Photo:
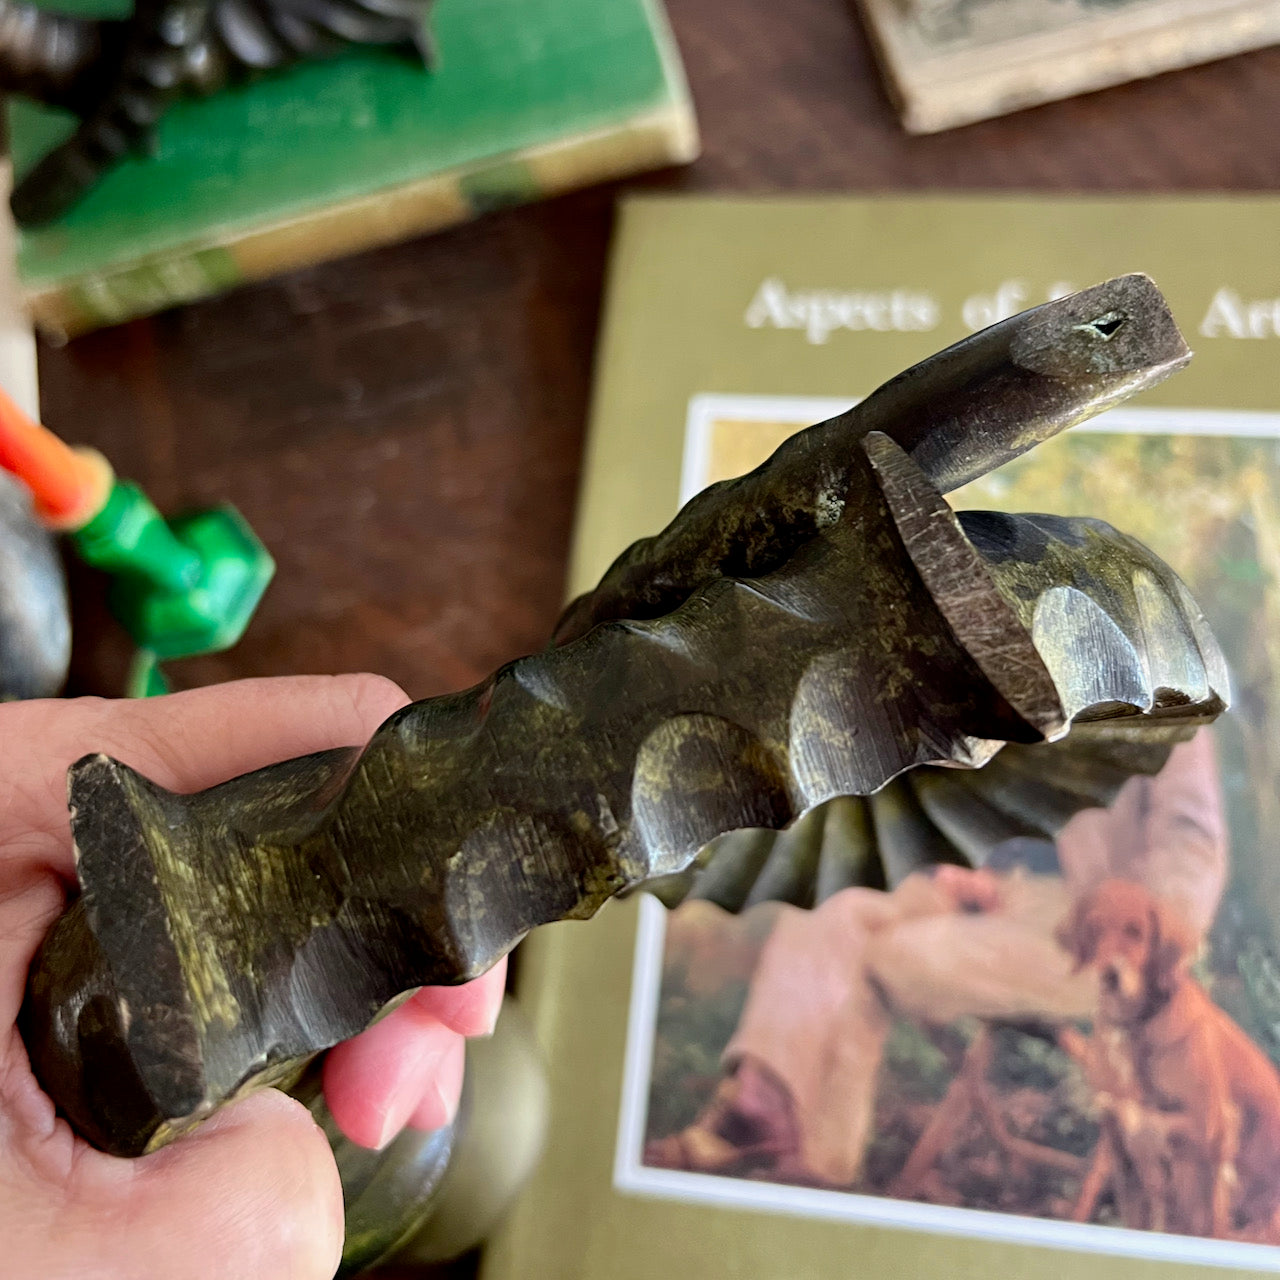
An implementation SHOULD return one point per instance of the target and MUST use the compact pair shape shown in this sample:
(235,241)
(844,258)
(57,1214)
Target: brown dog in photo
(1191,1106)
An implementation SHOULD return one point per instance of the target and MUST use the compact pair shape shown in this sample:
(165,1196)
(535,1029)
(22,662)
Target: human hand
(254,1192)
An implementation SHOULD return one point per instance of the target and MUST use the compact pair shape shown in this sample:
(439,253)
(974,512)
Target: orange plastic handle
(68,486)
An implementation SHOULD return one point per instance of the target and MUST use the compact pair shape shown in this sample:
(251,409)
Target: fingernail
(402,1107)
(437,1111)
(494,1014)
(440,1099)
(449,1104)
(391,1125)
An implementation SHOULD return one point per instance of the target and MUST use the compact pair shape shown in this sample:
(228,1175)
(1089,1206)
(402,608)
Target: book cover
(919,1082)
(951,62)
(530,98)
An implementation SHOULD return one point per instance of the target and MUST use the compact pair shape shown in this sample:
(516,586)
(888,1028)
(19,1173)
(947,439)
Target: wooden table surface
(404,428)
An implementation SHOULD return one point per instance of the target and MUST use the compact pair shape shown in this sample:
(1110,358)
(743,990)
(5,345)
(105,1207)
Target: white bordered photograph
(948,1055)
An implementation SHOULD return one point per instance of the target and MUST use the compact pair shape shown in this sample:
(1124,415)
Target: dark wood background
(404,428)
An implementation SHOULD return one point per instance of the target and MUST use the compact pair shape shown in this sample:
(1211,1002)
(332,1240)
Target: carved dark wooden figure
(120,76)
(824,628)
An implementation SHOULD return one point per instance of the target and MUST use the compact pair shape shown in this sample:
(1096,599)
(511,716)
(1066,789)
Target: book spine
(666,136)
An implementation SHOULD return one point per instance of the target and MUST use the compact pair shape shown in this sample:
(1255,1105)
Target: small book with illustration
(951,62)
(529,98)
(939,1078)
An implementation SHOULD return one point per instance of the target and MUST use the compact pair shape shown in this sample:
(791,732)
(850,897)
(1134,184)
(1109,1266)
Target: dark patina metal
(825,629)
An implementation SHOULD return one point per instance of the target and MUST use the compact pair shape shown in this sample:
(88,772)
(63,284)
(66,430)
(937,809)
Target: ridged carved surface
(959,415)
(867,633)
(1012,807)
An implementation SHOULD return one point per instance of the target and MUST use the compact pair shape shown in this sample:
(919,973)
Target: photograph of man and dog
(1086,1028)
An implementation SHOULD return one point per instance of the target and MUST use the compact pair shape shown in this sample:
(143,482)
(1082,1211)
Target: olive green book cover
(900,1124)
(530,98)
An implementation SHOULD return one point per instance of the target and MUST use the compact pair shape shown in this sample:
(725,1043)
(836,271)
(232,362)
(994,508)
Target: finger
(191,740)
(374,1083)
(439,1102)
(265,1188)
(382,1079)
(253,1194)
(29,904)
(185,741)
(470,1010)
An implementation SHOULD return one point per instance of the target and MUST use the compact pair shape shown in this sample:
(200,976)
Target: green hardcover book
(530,98)
(885,1087)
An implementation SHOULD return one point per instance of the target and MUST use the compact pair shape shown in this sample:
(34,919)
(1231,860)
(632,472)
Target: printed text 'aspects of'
(818,313)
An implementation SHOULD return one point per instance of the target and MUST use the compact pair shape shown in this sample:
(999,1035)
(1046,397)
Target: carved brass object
(811,631)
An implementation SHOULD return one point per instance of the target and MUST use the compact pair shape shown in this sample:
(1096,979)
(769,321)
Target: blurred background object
(119,73)
(430,1198)
(951,62)
(309,161)
(35,628)
(180,587)
(503,1133)
(35,619)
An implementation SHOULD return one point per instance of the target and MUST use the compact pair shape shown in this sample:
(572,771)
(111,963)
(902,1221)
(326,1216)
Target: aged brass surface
(808,633)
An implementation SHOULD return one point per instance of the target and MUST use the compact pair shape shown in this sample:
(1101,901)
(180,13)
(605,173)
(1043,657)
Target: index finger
(184,741)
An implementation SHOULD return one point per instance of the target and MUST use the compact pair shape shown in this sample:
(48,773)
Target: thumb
(253,1194)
